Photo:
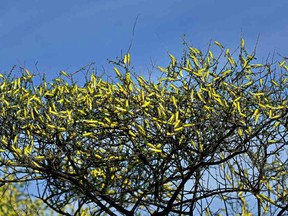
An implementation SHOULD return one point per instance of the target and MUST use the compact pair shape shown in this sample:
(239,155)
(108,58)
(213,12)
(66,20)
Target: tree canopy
(207,137)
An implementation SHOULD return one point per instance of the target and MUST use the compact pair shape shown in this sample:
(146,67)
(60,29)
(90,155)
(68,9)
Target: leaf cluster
(210,130)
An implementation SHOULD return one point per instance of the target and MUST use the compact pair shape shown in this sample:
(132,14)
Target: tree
(14,201)
(208,137)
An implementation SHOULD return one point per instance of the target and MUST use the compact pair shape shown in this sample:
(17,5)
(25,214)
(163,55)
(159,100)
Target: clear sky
(68,34)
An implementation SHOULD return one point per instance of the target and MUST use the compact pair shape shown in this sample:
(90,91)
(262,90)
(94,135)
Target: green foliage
(14,201)
(209,137)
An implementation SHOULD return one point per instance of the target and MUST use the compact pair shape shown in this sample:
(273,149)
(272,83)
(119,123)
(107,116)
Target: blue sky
(68,34)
